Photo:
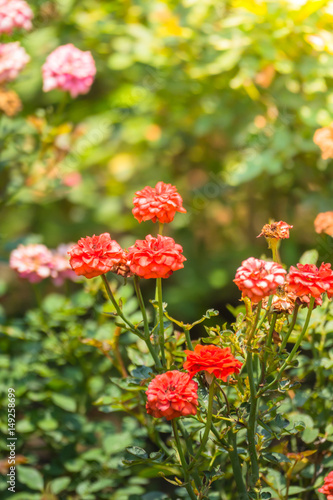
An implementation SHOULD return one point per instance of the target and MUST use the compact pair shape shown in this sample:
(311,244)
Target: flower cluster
(13,59)
(155,257)
(14,14)
(327,489)
(36,262)
(172,394)
(258,279)
(69,69)
(157,204)
(308,280)
(212,359)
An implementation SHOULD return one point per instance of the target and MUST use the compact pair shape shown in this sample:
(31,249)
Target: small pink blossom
(14,14)
(258,279)
(32,262)
(60,267)
(13,59)
(69,69)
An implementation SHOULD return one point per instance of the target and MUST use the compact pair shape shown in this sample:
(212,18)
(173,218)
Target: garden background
(221,99)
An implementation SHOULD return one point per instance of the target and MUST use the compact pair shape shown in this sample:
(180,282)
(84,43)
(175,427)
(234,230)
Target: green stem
(252,424)
(188,339)
(183,461)
(268,345)
(236,467)
(115,304)
(189,445)
(294,350)
(145,322)
(160,228)
(269,303)
(291,327)
(160,315)
(255,322)
(208,421)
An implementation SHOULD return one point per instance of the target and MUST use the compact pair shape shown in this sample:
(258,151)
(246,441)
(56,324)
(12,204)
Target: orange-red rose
(212,359)
(155,257)
(307,279)
(327,489)
(172,394)
(96,255)
(258,279)
(157,204)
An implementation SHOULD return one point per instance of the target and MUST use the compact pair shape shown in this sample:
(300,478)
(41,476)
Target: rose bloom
(157,204)
(278,230)
(172,394)
(155,257)
(307,279)
(212,359)
(69,69)
(32,262)
(327,489)
(13,59)
(324,223)
(96,255)
(323,137)
(258,279)
(14,14)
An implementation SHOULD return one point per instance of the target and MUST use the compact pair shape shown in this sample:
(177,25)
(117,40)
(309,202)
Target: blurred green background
(220,99)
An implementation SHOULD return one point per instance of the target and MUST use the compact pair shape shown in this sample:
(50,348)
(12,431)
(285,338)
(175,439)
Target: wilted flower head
(212,359)
(327,489)
(324,223)
(172,394)
(257,278)
(13,59)
(32,262)
(283,301)
(277,230)
(96,255)
(69,69)
(307,279)
(14,14)
(323,137)
(155,257)
(157,204)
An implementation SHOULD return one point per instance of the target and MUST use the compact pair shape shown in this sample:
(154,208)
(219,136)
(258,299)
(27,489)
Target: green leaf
(30,477)
(309,435)
(137,452)
(309,257)
(65,402)
(60,484)
(276,458)
(142,372)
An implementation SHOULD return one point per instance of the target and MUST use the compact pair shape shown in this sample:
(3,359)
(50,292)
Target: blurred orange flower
(323,137)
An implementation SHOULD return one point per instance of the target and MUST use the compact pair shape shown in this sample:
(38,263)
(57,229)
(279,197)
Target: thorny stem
(254,325)
(188,339)
(236,467)
(269,303)
(268,346)
(251,430)
(208,421)
(145,322)
(160,315)
(187,483)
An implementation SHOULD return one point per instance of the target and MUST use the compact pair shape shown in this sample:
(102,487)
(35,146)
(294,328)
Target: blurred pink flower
(69,69)
(14,14)
(32,262)
(13,58)
(60,267)
(72,179)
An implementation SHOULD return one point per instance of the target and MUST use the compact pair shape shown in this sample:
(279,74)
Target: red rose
(258,278)
(327,489)
(155,257)
(307,279)
(96,255)
(212,359)
(157,204)
(172,394)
